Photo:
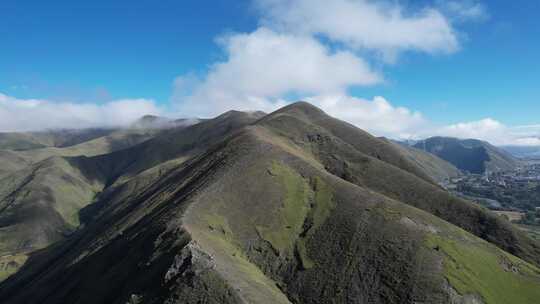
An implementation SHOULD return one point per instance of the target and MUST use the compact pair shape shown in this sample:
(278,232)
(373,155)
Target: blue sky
(73,49)
(95,52)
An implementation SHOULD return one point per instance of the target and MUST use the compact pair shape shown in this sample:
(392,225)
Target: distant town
(512,194)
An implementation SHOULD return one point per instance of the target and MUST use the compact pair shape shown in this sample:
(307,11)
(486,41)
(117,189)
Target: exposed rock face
(456,298)
(292,207)
(192,261)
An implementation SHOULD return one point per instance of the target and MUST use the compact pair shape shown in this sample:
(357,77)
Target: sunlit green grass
(482,269)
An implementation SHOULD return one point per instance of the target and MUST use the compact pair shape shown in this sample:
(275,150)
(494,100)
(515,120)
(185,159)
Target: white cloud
(291,54)
(476,129)
(526,141)
(309,49)
(265,65)
(464,10)
(36,114)
(362,24)
(377,116)
(493,131)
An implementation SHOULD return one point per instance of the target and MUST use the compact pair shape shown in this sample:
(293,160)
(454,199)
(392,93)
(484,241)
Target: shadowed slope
(363,162)
(282,211)
(11,162)
(175,143)
(113,141)
(304,119)
(40,204)
(469,155)
(437,168)
(20,141)
(118,140)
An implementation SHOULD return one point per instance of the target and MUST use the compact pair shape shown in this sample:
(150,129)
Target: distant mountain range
(437,168)
(469,155)
(523,151)
(288,207)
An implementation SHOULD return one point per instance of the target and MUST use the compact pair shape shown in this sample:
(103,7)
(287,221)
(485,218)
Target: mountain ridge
(292,207)
(469,155)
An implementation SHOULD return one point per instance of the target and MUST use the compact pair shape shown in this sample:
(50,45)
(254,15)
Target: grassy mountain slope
(117,140)
(366,168)
(20,141)
(469,155)
(303,121)
(121,139)
(295,208)
(437,168)
(175,143)
(43,190)
(11,162)
(20,149)
(523,151)
(40,203)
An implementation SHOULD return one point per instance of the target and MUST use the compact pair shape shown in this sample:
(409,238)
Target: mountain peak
(471,155)
(149,117)
(237,209)
(299,109)
(303,106)
(235,114)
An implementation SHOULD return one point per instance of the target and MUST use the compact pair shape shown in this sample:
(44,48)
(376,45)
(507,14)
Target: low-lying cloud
(493,131)
(317,50)
(377,116)
(37,114)
(311,50)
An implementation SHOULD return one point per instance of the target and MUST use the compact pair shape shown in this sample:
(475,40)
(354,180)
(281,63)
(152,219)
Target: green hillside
(20,141)
(470,155)
(292,207)
(40,199)
(40,205)
(434,166)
